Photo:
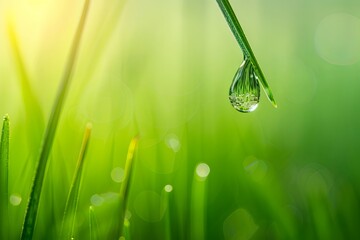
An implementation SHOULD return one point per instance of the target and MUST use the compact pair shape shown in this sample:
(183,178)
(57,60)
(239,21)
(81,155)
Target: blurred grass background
(163,69)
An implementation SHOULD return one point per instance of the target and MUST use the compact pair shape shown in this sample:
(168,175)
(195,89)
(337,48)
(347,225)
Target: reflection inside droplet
(244,92)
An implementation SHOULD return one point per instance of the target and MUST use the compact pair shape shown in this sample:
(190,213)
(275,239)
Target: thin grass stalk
(93,225)
(4,181)
(126,230)
(125,186)
(198,202)
(34,198)
(240,37)
(165,208)
(68,223)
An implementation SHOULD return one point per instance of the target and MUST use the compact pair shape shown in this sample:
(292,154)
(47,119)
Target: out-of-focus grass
(162,69)
(68,223)
(4,179)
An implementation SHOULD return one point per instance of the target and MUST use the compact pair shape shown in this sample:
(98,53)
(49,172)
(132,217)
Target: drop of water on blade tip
(244,92)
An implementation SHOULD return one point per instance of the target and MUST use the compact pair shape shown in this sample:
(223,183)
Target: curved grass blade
(244,44)
(34,198)
(4,187)
(125,186)
(93,226)
(68,223)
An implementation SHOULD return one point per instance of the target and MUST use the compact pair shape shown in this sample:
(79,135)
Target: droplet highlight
(244,92)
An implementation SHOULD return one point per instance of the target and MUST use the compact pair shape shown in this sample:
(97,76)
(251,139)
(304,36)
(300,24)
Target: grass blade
(93,226)
(244,44)
(34,198)
(125,186)
(198,202)
(68,224)
(4,187)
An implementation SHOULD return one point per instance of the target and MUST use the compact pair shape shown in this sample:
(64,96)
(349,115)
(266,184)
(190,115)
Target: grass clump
(34,198)
(68,224)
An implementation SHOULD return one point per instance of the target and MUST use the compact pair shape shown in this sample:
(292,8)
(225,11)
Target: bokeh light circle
(337,39)
(202,170)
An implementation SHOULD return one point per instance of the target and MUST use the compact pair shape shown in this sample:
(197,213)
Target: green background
(162,69)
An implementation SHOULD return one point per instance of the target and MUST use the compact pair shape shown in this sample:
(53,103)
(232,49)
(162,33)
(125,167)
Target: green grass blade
(34,198)
(244,44)
(4,187)
(93,226)
(198,202)
(68,224)
(125,186)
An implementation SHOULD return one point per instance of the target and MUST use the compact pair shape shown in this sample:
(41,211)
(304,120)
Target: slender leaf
(125,186)
(240,37)
(4,187)
(93,226)
(34,198)
(68,224)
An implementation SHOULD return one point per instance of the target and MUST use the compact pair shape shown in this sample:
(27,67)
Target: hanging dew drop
(244,92)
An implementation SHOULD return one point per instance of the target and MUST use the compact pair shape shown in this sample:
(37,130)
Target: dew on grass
(168,188)
(117,174)
(244,92)
(15,200)
(202,170)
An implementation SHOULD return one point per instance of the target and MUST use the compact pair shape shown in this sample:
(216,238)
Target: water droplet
(244,92)
(15,200)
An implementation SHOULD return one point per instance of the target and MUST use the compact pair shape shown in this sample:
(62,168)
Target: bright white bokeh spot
(337,39)
(239,225)
(202,170)
(168,188)
(15,200)
(96,200)
(173,142)
(117,174)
